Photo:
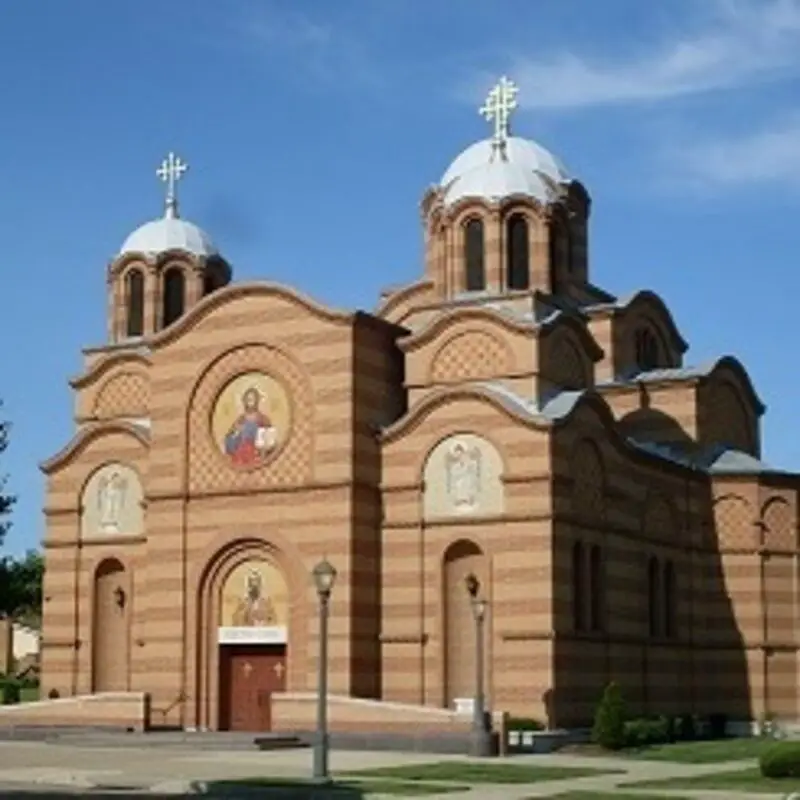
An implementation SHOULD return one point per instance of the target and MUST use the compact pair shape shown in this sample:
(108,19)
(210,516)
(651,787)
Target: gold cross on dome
(500,103)
(171,171)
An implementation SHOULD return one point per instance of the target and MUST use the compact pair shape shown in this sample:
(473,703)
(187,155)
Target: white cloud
(767,156)
(326,52)
(741,42)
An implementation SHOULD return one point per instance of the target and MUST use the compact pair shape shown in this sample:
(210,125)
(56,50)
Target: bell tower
(165,267)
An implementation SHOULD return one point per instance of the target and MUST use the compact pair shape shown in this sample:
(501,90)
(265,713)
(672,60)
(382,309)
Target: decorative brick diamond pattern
(734,520)
(124,395)
(778,521)
(474,355)
(588,480)
(209,469)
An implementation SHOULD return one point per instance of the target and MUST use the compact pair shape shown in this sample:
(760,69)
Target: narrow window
(670,601)
(517,272)
(654,597)
(173,300)
(578,581)
(646,350)
(596,612)
(554,255)
(474,256)
(134,301)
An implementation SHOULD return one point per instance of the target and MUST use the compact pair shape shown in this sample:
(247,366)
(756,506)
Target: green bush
(525,724)
(781,760)
(609,719)
(717,723)
(687,728)
(10,691)
(648,731)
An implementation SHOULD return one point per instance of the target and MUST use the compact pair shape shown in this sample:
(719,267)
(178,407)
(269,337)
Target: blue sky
(312,129)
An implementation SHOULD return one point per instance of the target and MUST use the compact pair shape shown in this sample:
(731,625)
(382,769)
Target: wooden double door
(249,675)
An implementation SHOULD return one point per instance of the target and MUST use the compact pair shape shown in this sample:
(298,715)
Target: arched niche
(110,627)
(463,477)
(112,502)
(461,559)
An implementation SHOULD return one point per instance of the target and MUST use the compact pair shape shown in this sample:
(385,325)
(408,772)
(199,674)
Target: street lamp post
(324,577)
(481,744)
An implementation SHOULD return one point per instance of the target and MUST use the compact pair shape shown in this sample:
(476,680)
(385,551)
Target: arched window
(596,610)
(555,252)
(134,303)
(670,600)
(475,276)
(646,350)
(578,586)
(173,299)
(517,255)
(654,597)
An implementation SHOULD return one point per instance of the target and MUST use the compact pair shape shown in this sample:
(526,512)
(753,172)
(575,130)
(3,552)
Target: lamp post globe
(324,574)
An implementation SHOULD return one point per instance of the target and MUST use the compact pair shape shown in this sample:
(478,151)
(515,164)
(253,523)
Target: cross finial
(500,102)
(171,171)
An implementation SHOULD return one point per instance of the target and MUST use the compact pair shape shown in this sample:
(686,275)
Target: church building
(501,416)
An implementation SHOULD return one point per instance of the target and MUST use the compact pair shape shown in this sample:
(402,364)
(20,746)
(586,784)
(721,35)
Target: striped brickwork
(425,605)
(318,496)
(733,647)
(566,558)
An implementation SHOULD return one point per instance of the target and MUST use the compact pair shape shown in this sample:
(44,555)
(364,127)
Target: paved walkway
(80,769)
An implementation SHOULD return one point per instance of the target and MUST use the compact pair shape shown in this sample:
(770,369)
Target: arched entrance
(252,639)
(110,627)
(461,558)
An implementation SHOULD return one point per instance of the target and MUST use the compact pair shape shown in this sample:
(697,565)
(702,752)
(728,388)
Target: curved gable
(729,408)
(731,369)
(583,338)
(400,303)
(86,436)
(439,397)
(651,306)
(230,294)
(464,314)
(105,365)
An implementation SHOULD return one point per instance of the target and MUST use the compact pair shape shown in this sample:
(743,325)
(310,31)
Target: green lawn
(476,773)
(345,790)
(745,780)
(705,752)
(610,796)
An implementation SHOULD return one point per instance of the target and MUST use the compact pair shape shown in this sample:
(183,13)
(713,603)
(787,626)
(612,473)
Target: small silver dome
(169,233)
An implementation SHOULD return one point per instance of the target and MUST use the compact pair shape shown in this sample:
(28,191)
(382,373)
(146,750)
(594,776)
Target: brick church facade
(502,416)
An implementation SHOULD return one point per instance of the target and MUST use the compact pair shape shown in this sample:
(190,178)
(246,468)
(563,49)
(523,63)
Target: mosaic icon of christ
(252,436)
(254,609)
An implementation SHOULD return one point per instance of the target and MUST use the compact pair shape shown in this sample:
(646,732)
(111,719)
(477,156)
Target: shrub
(10,691)
(687,728)
(781,760)
(647,731)
(53,694)
(717,724)
(525,724)
(609,719)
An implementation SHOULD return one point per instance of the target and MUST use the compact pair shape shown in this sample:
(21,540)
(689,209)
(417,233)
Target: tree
(21,586)
(6,500)
(609,719)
